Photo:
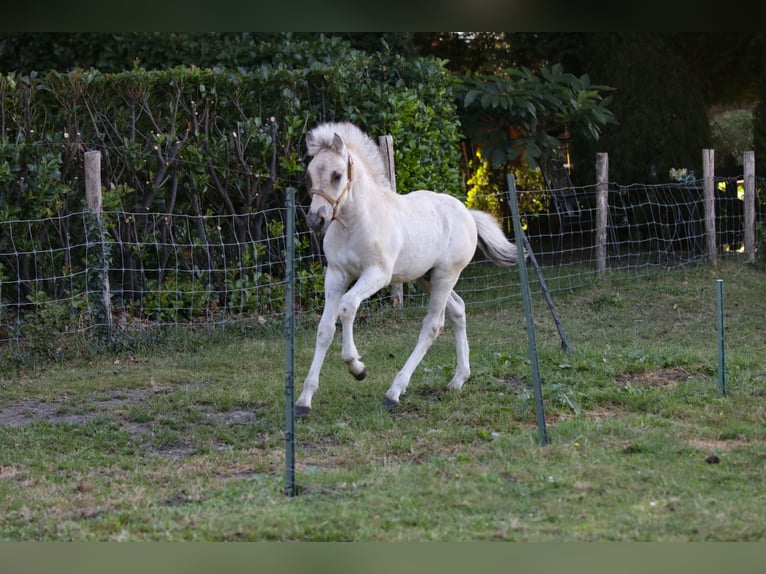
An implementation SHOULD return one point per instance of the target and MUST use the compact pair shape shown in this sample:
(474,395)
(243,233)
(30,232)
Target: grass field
(185,441)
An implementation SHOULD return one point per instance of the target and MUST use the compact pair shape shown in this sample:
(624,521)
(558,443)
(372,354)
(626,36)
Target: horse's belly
(412,264)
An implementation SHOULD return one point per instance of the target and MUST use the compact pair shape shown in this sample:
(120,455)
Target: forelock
(361,145)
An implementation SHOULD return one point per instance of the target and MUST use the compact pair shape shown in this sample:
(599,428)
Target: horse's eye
(335,177)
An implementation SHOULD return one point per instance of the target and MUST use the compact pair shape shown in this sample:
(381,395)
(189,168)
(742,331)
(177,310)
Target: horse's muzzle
(318,220)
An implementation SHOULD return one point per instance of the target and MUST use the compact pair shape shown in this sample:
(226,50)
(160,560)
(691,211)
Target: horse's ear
(310,143)
(337,144)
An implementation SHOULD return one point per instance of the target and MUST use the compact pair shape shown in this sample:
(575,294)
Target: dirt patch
(517,382)
(115,406)
(662,378)
(27,411)
(716,445)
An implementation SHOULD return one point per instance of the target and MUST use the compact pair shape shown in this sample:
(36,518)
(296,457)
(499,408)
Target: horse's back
(436,230)
(437,208)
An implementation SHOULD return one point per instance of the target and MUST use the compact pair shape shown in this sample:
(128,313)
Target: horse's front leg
(335,285)
(370,282)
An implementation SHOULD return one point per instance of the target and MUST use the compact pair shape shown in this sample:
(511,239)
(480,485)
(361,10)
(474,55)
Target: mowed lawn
(185,440)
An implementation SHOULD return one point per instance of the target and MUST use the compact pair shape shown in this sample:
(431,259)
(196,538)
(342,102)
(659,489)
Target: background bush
(201,142)
(659,106)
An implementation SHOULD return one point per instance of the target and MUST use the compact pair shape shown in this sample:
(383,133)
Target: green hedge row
(198,142)
(152,125)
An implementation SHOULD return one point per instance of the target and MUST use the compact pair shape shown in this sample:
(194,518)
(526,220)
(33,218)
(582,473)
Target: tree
(664,85)
(658,103)
(521,111)
(759,120)
(727,65)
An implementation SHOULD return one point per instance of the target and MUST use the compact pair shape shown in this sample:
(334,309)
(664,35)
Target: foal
(373,237)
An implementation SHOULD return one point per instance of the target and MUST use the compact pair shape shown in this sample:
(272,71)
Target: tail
(492,241)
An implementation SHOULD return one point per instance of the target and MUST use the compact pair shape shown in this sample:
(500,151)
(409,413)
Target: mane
(360,144)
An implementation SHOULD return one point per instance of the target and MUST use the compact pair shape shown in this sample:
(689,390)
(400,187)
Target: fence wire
(191,271)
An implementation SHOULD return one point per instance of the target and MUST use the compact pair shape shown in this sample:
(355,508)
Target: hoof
(301,412)
(390,404)
(361,376)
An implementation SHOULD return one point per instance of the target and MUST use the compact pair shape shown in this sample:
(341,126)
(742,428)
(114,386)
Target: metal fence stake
(721,347)
(290,488)
(536,383)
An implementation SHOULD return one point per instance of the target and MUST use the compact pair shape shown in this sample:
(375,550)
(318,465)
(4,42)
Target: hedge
(201,141)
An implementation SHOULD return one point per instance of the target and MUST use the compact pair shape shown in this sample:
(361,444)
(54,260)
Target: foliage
(25,52)
(663,85)
(484,186)
(487,188)
(727,64)
(658,103)
(195,160)
(515,121)
(731,136)
(477,52)
(759,124)
(681,175)
(522,111)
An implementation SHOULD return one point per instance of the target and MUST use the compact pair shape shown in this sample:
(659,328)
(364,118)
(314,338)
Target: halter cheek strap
(336,203)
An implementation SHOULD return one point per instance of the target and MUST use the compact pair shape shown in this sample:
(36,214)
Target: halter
(336,203)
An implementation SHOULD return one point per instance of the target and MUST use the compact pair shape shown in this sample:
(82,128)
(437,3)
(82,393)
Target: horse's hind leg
(456,314)
(433,323)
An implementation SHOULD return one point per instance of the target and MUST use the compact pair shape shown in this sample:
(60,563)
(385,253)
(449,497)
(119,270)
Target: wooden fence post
(602,206)
(386,145)
(98,259)
(708,183)
(749,167)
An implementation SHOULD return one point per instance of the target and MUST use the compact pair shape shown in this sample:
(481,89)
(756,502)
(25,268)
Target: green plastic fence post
(290,488)
(721,346)
(536,383)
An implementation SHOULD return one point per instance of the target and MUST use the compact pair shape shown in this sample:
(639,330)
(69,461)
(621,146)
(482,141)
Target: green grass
(187,442)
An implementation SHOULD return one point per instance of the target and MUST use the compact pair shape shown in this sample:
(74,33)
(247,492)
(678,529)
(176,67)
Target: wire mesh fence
(200,271)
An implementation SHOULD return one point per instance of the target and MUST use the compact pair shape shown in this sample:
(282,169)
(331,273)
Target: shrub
(194,165)
(659,106)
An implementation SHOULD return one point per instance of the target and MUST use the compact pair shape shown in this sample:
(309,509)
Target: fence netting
(162,269)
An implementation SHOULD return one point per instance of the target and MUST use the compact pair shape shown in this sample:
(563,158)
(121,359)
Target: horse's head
(328,178)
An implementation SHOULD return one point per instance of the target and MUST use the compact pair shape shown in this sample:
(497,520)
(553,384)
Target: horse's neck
(367,199)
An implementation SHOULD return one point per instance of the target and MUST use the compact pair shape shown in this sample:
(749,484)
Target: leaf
(470,97)
(513,153)
(499,157)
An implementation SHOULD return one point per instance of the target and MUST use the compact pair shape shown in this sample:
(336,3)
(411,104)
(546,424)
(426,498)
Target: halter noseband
(336,203)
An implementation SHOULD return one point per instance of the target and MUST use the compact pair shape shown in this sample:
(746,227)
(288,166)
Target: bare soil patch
(661,378)
(114,405)
(27,411)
